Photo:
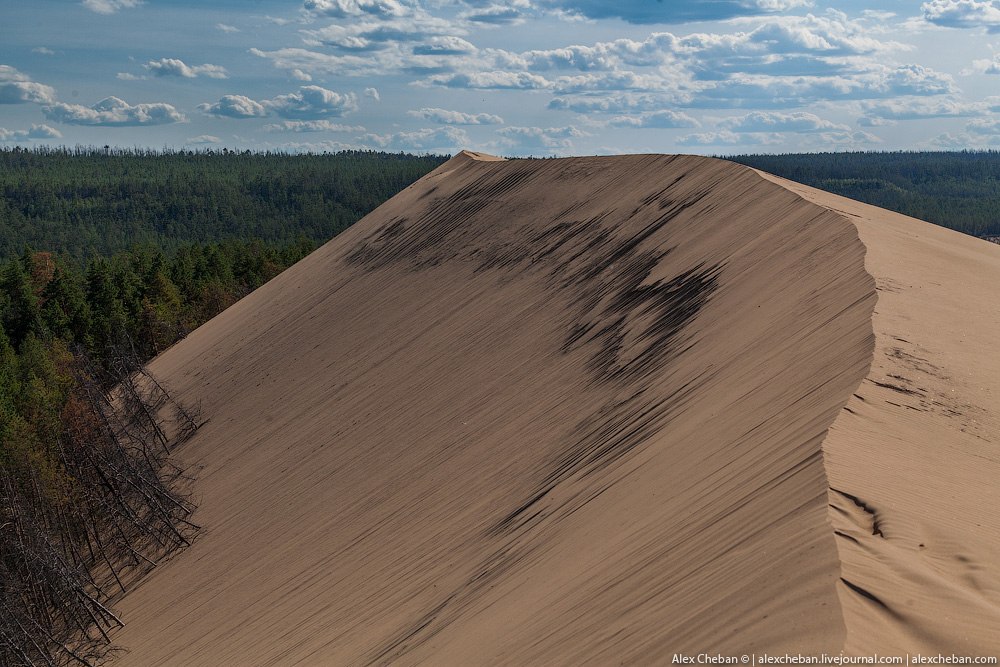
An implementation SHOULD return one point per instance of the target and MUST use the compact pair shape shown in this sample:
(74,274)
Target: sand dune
(593,411)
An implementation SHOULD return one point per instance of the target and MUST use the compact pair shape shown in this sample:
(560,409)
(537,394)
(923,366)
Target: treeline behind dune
(88,200)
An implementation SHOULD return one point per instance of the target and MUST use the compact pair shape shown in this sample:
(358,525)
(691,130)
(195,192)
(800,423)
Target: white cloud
(225,27)
(911,108)
(43,50)
(849,138)
(307,103)
(109,6)
(985,126)
(315,62)
(985,66)
(619,103)
(36,132)
(204,139)
(311,102)
(949,141)
(311,126)
(300,75)
(176,67)
(601,81)
(444,45)
(126,76)
(963,14)
(663,119)
(235,106)
(373,94)
(494,15)
(114,112)
(442,139)
(495,80)
(348,8)
(776,121)
(730,138)
(17,88)
(446,117)
(373,35)
(532,140)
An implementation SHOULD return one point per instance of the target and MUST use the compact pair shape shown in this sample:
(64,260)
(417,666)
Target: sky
(525,77)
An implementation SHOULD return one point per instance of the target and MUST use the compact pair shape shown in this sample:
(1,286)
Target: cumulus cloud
(176,67)
(235,106)
(225,27)
(373,94)
(961,141)
(307,103)
(43,50)
(300,75)
(373,35)
(36,132)
(985,66)
(987,126)
(311,102)
(204,139)
(601,81)
(446,117)
(311,126)
(963,14)
(442,139)
(849,138)
(775,121)
(663,119)
(778,61)
(875,82)
(109,6)
(495,80)
(730,138)
(114,112)
(347,8)
(912,108)
(444,45)
(529,140)
(17,88)
(315,62)
(624,103)
(495,15)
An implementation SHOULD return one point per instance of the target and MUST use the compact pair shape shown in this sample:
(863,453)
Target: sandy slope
(918,445)
(574,412)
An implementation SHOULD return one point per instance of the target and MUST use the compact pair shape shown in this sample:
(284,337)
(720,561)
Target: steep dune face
(526,412)
(914,459)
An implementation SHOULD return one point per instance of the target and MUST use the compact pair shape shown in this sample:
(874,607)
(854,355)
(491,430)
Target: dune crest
(582,411)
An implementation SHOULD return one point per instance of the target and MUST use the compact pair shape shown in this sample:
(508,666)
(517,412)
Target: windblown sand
(593,411)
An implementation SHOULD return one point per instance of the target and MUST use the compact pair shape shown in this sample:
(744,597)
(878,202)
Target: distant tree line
(103,200)
(958,190)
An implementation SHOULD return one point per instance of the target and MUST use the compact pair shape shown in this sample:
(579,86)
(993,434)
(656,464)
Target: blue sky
(527,77)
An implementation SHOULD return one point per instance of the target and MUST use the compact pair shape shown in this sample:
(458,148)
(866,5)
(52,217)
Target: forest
(958,190)
(83,201)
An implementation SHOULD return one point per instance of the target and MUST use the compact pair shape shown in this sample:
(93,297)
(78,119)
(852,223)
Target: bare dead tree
(112,515)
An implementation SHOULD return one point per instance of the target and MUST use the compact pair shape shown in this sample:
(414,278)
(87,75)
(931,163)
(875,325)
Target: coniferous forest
(84,201)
